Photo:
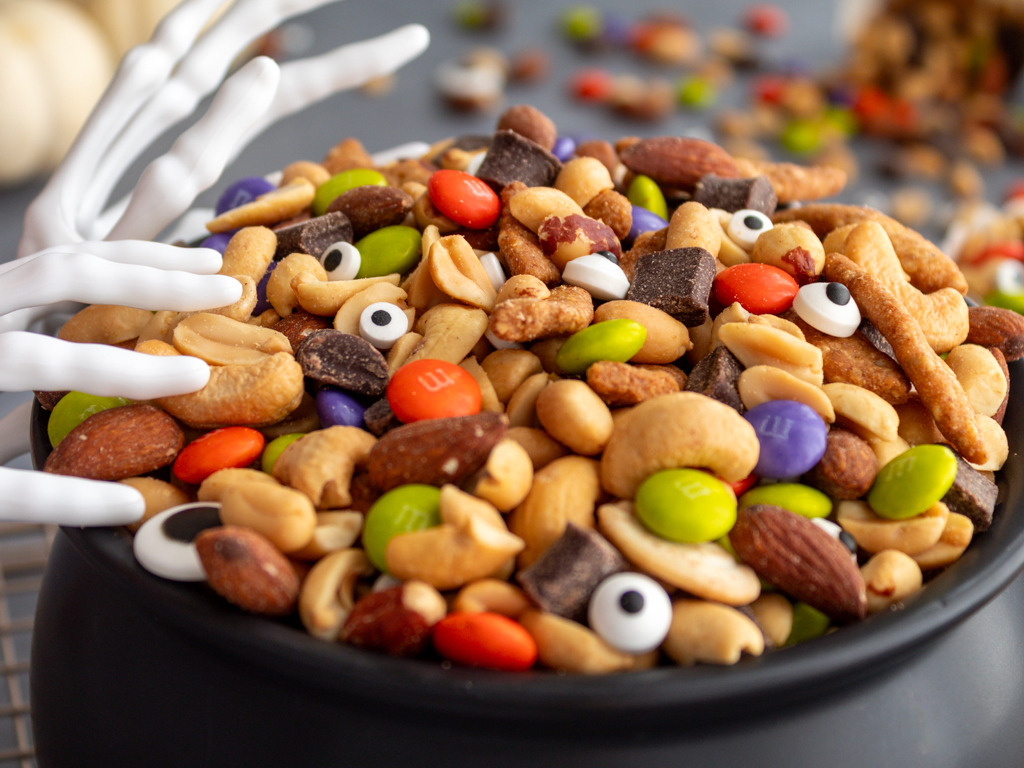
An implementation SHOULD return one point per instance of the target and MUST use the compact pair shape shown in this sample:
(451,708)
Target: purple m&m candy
(262,303)
(792,437)
(564,148)
(218,242)
(645,221)
(243,191)
(338,409)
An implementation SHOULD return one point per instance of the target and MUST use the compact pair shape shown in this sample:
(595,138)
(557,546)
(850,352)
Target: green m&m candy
(802,499)
(617,340)
(73,409)
(275,448)
(808,623)
(646,193)
(912,482)
(404,509)
(685,505)
(388,250)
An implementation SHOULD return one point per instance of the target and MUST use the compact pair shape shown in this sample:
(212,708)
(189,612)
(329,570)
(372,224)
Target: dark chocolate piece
(379,418)
(563,578)
(515,158)
(878,341)
(313,236)
(344,361)
(973,495)
(716,376)
(755,194)
(676,281)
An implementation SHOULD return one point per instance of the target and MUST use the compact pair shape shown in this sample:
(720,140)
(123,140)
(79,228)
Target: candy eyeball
(829,308)
(746,225)
(341,260)
(165,544)
(597,275)
(833,530)
(382,324)
(1010,277)
(630,612)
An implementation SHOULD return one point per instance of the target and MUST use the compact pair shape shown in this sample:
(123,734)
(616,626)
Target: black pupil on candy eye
(332,260)
(189,523)
(838,294)
(632,601)
(608,255)
(381,317)
(752,222)
(848,541)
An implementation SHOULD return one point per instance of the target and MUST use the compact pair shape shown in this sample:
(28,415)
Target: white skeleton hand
(76,247)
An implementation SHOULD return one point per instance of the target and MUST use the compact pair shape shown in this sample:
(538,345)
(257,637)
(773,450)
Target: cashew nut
(568,646)
(325,298)
(706,570)
(283,515)
(471,543)
(672,431)
(506,476)
(774,614)
(890,576)
(214,486)
(334,531)
(874,534)
(321,464)
(327,596)
(491,595)
(710,633)
(254,395)
(980,376)
(566,490)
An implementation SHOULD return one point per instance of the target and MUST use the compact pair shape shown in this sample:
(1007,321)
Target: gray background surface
(960,702)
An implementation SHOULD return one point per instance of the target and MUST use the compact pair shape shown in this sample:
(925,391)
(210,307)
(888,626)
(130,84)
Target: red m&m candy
(463,198)
(432,389)
(759,288)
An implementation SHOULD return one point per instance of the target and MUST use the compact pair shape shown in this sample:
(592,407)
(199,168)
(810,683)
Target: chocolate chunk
(379,418)
(878,341)
(467,143)
(677,281)
(972,495)
(515,158)
(755,194)
(313,236)
(47,400)
(344,361)
(716,376)
(370,208)
(563,578)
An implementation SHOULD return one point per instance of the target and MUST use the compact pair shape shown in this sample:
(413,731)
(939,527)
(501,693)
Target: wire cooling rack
(23,552)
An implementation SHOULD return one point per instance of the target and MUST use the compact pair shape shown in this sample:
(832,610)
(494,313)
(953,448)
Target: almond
(246,569)
(997,327)
(678,162)
(118,443)
(434,451)
(801,559)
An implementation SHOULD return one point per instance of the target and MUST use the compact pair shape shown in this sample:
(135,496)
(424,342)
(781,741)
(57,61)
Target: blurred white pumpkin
(127,22)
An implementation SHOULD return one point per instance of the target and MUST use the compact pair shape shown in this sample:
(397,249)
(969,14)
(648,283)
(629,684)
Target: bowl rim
(754,686)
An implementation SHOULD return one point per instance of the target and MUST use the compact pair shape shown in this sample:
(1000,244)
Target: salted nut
(875,534)
(506,476)
(327,594)
(890,576)
(705,570)
(325,298)
(334,531)
(568,646)
(283,515)
(710,633)
(671,431)
(449,331)
(219,340)
(321,464)
(472,542)
(492,595)
(105,324)
(214,486)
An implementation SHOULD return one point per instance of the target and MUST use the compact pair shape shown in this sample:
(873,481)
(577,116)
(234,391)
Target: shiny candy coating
(792,438)
(685,505)
(73,409)
(631,612)
(262,303)
(275,448)
(389,250)
(242,192)
(464,199)
(616,340)
(218,242)
(228,447)
(912,482)
(485,639)
(564,148)
(644,192)
(603,278)
(798,498)
(759,288)
(829,308)
(343,182)
(644,221)
(808,623)
(337,408)
(403,509)
(432,389)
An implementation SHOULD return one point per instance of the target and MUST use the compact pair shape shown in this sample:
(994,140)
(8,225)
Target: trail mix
(481,405)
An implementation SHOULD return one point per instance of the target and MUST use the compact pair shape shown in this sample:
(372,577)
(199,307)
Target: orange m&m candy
(224,448)
(432,389)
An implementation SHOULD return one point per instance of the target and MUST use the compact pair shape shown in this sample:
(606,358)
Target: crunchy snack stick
(936,383)
(929,268)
